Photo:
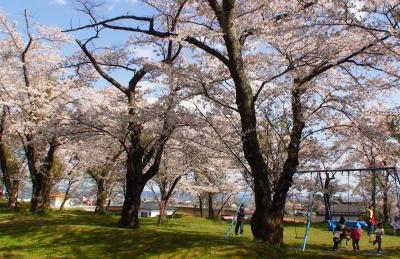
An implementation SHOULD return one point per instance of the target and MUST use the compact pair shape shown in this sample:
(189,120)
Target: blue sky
(64,13)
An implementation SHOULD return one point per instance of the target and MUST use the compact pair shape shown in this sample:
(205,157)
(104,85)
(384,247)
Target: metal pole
(374,189)
(309,216)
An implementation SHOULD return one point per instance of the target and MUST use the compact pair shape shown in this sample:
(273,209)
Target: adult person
(240,220)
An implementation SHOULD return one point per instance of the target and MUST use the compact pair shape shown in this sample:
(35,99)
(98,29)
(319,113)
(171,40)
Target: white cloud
(59,2)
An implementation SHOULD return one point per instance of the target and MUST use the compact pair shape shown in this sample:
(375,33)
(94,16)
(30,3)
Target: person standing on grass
(370,219)
(345,231)
(240,220)
(355,235)
(336,238)
(379,232)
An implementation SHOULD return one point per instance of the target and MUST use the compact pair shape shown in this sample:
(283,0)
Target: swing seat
(332,224)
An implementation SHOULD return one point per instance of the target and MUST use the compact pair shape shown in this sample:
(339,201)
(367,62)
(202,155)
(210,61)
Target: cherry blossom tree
(282,72)
(175,165)
(36,95)
(371,145)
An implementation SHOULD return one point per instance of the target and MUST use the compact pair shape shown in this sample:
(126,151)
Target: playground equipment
(331,223)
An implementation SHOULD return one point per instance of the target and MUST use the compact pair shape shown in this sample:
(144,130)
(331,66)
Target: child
(378,237)
(370,219)
(345,231)
(336,238)
(355,235)
(361,225)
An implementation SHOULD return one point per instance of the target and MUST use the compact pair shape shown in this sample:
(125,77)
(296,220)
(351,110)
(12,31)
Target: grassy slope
(79,234)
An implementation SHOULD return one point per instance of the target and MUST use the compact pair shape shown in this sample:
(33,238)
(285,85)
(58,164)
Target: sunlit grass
(80,234)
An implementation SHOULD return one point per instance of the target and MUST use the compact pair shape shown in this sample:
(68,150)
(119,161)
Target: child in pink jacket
(355,236)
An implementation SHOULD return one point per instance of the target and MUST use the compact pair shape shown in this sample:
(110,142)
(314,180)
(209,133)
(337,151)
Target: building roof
(57,194)
(144,205)
(152,205)
(352,207)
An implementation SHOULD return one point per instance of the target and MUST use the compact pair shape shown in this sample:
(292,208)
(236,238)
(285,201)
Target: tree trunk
(101,196)
(373,195)
(41,179)
(47,195)
(6,177)
(386,216)
(223,205)
(108,204)
(66,196)
(13,195)
(327,201)
(327,197)
(163,207)
(210,206)
(40,190)
(130,209)
(201,206)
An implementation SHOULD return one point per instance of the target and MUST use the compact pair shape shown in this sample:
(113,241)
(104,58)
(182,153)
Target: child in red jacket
(355,236)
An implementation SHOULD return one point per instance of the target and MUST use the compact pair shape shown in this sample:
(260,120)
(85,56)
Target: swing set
(331,223)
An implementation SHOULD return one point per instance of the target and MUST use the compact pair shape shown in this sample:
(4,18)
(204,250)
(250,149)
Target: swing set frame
(373,170)
(318,180)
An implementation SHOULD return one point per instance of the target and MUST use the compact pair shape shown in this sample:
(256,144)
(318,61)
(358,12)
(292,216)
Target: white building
(150,209)
(56,199)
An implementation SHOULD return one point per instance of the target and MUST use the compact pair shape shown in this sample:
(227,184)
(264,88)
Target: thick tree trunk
(40,189)
(101,196)
(130,209)
(47,196)
(201,206)
(271,224)
(210,206)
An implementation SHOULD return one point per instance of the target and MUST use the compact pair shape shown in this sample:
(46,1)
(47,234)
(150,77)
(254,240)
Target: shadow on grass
(83,235)
(88,239)
(89,242)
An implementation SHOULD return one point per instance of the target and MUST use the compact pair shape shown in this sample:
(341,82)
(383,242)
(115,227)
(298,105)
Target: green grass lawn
(80,234)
